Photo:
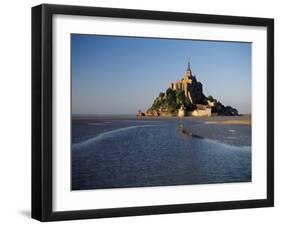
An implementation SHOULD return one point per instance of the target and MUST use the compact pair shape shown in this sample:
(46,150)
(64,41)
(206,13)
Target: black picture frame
(42,111)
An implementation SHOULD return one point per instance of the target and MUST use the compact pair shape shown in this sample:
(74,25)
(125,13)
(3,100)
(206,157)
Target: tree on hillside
(210,98)
(161,95)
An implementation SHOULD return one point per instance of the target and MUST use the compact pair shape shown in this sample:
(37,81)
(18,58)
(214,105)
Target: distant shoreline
(223,120)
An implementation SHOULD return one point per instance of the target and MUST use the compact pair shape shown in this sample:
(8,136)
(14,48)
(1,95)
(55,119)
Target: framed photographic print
(145,112)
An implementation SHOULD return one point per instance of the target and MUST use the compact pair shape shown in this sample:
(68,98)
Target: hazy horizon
(116,75)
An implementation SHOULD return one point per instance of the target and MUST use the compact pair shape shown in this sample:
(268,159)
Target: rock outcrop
(186,97)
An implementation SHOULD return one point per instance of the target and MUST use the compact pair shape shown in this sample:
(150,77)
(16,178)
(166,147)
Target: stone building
(192,88)
(201,110)
(181,111)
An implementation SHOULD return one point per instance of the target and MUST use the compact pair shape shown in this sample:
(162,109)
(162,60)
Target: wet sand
(225,120)
(123,152)
(233,130)
(225,129)
(222,120)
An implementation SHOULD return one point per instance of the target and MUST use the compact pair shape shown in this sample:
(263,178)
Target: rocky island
(186,98)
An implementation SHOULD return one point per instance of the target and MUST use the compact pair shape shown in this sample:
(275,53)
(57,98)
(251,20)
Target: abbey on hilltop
(190,86)
(186,98)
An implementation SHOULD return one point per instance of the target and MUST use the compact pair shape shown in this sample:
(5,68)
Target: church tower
(184,83)
(187,80)
(188,70)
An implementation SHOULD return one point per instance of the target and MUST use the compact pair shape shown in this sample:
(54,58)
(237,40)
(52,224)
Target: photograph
(148,111)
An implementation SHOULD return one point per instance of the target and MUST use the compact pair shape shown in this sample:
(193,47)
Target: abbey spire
(188,66)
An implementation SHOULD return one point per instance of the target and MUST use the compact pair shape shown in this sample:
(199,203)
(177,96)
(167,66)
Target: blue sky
(120,75)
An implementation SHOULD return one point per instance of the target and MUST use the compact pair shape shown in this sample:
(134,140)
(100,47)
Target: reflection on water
(116,153)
